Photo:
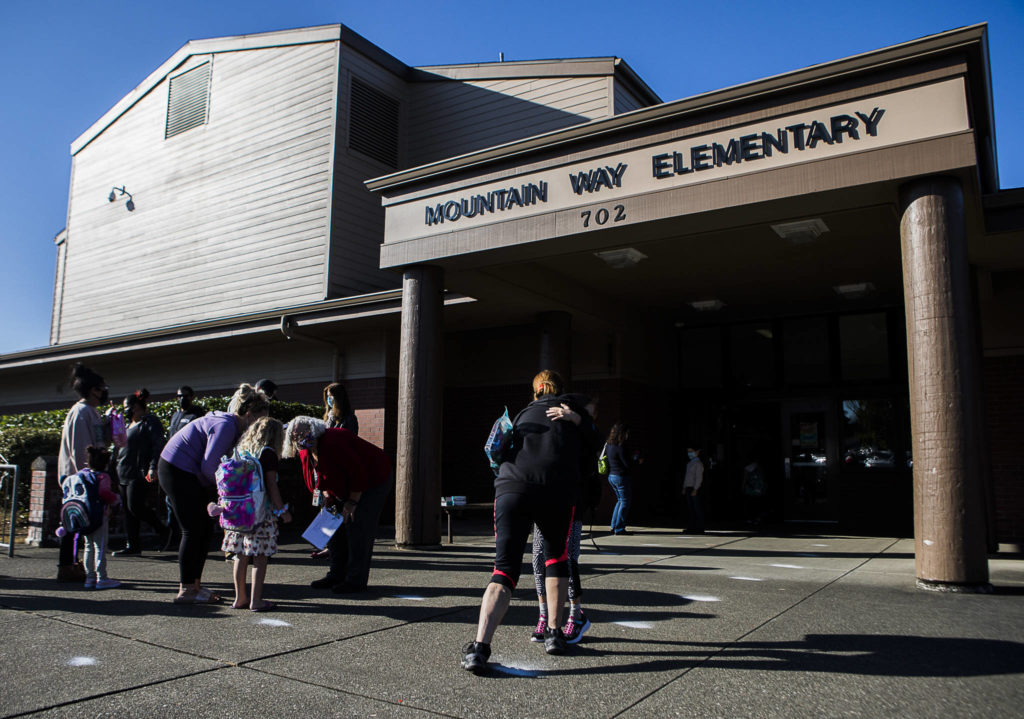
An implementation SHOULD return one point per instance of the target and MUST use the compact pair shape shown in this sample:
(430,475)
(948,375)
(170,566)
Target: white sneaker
(107,583)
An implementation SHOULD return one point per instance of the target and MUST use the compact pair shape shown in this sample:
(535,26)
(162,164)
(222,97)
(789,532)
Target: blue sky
(66,62)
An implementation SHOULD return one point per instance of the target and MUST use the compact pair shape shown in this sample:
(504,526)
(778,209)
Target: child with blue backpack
(86,510)
(249,507)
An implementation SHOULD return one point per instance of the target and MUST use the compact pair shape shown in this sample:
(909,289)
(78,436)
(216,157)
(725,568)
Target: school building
(817,271)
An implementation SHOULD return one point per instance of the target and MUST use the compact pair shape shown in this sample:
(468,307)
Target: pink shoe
(574,628)
(538,632)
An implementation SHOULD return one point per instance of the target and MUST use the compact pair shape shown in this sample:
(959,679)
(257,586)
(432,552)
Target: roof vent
(188,100)
(373,123)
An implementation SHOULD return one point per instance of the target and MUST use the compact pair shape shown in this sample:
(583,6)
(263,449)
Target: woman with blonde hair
(338,410)
(262,440)
(187,473)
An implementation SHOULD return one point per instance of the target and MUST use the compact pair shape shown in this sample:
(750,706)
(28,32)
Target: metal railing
(10,471)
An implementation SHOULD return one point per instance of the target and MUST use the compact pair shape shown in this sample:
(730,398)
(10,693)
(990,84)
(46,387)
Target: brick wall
(374,401)
(1004,399)
(44,503)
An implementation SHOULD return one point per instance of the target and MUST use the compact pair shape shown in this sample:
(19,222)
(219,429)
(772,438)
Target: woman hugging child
(263,439)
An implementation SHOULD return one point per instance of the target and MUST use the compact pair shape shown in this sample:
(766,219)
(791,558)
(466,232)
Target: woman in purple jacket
(187,472)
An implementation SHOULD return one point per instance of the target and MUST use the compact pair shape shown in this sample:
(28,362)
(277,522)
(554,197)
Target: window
(700,357)
(753,355)
(373,123)
(805,351)
(864,346)
(875,436)
(188,100)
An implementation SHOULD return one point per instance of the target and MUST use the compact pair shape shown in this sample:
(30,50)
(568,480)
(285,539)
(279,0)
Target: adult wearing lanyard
(187,472)
(356,477)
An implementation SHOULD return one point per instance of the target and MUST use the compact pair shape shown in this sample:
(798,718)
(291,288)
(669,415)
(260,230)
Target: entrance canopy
(774,194)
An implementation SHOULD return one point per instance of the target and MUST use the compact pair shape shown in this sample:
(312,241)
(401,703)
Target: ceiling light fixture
(802,231)
(621,258)
(707,305)
(130,205)
(855,290)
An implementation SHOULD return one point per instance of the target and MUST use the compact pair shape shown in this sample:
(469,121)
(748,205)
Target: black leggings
(135,495)
(188,500)
(514,517)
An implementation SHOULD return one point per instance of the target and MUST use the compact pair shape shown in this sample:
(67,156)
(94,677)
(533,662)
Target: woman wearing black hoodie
(537,483)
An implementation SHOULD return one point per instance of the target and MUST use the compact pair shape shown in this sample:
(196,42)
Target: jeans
(96,552)
(623,488)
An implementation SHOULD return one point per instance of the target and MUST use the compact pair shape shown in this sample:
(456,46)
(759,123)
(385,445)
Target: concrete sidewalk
(721,625)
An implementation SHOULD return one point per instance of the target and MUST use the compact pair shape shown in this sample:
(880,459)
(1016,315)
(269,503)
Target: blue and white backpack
(82,509)
(498,441)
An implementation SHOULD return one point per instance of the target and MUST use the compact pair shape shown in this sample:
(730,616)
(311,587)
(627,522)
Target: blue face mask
(330,402)
(691,455)
(306,442)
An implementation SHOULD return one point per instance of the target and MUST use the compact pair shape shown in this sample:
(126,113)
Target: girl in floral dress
(263,439)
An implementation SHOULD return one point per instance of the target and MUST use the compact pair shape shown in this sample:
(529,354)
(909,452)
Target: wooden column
(420,388)
(556,343)
(949,529)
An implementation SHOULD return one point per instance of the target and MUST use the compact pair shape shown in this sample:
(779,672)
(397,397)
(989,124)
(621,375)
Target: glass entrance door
(810,460)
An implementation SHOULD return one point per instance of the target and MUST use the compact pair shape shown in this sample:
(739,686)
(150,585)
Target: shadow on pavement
(856,654)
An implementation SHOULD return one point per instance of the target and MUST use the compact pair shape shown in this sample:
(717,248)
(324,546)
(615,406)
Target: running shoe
(107,583)
(475,656)
(574,628)
(554,641)
(538,631)
(90,582)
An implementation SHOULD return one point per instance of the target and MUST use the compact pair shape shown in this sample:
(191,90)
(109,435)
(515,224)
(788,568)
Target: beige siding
(230,217)
(357,218)
(58,288)
(451,117)
(625,101)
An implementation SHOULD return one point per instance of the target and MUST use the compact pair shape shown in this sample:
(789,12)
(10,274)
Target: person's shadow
(859,654)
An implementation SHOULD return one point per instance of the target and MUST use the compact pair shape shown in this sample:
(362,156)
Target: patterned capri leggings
(575,533)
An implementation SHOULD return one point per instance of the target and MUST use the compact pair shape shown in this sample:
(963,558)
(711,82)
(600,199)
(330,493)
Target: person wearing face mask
(356,477)
(691,485)
(83,427)
(187,472)
(620,467)
(338,410)
(136,470)
(187,410)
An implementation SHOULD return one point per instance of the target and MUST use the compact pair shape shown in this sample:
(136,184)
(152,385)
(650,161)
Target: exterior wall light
(130,205)
(854,291)
(707,305)
(802,231)
(621,258)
